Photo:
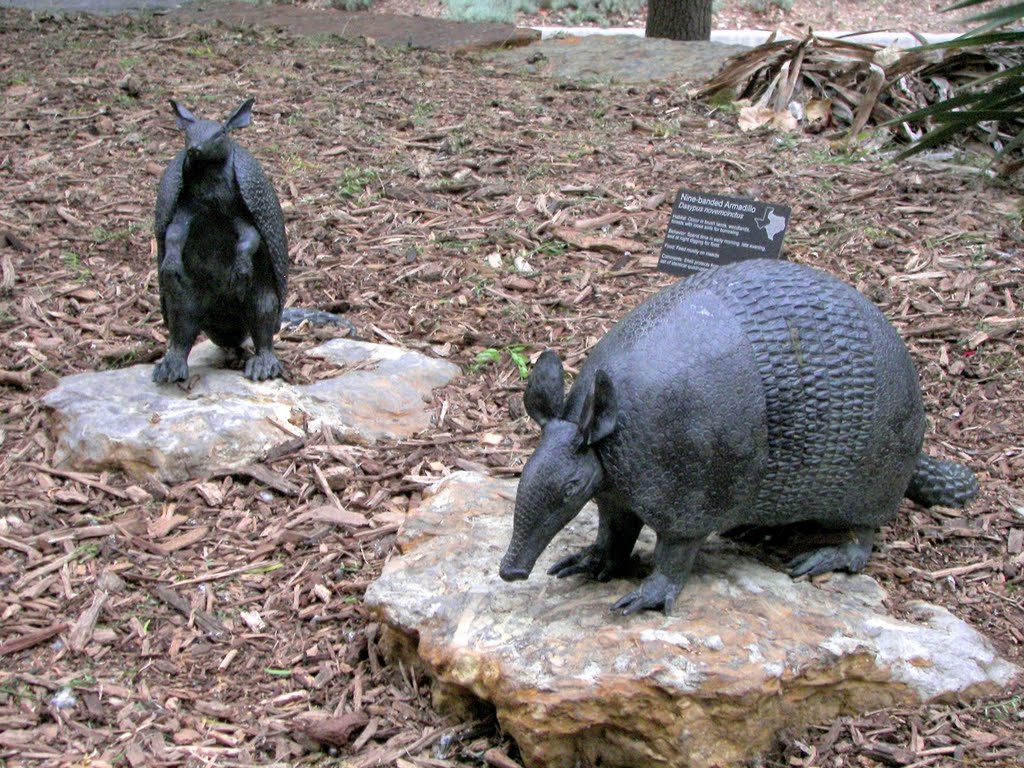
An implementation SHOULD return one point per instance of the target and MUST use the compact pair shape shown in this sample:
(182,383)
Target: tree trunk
(679,19)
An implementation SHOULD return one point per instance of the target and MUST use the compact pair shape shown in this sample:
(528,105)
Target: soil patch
(435,34)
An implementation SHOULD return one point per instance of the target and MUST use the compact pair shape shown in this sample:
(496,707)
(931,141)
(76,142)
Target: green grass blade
(963,4)
(934,109)
(968,40)
(998,96)
(1007,15)
(1011,72)
(971,116)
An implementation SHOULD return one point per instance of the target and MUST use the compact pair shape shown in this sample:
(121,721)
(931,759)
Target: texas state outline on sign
(771,223)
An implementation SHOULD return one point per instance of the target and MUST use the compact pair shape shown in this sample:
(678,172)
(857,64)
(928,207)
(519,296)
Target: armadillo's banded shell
(813,341)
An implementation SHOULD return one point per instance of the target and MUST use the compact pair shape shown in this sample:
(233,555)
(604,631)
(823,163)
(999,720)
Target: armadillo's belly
(842,407)
(209,255)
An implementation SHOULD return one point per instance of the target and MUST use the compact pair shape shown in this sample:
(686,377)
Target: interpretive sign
(708,230)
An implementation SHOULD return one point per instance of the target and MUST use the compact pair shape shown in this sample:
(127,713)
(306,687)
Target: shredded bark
(413,184)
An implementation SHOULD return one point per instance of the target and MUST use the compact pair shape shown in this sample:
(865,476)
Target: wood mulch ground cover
(213,622)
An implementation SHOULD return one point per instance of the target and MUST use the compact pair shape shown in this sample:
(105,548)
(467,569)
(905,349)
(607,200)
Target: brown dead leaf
(818,114)
(751,118)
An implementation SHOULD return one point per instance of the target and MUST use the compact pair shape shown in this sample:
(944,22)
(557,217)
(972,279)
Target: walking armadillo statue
(222,253)
(762,393)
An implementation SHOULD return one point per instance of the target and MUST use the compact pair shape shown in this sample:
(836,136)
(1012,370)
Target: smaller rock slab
(623,58)
(122,420)
(750,650)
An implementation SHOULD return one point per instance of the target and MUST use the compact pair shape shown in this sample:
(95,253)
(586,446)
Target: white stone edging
(755,37)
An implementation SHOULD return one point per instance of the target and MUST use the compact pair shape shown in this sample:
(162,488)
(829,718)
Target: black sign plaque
(708,230)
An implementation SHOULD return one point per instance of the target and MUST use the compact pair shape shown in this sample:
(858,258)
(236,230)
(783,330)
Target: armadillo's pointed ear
(600,410)
(241,117)
(185,118)
(544,390)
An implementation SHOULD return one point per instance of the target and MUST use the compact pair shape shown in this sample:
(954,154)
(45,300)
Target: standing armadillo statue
(762,393)
(222,254)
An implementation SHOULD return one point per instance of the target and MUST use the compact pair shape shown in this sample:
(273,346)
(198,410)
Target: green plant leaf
(1009,91)
(962,4)
(486,357)
(521,361)
(976,115)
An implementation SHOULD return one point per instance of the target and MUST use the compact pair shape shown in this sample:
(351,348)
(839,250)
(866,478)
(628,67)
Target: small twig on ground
(31,639)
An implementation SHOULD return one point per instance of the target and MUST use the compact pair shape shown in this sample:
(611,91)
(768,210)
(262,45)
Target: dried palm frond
(924,95)
(797,75)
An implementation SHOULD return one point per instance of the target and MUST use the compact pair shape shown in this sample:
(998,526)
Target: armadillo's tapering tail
(940,482)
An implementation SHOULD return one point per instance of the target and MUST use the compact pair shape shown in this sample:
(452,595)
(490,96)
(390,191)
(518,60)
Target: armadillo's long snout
(513,567)
(510,572)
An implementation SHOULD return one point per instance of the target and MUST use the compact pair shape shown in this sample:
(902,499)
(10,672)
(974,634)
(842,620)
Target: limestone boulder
(122,420)
(748,652)
(622,58)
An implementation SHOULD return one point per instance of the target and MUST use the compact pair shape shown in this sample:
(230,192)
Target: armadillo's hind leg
(266,316)
(851,556)
(177,302)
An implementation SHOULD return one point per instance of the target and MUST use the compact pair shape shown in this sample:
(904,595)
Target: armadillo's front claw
(656,591)
(594,562)
(590,561)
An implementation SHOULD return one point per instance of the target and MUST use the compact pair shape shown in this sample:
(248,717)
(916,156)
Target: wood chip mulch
(219,621)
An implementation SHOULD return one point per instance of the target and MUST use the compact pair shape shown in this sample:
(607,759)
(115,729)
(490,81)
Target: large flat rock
(122,420)
(748,652)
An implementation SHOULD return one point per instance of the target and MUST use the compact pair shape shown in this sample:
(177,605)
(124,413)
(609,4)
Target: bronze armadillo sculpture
(761,393)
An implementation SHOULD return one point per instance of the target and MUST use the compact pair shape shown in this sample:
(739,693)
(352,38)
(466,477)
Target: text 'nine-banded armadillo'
(761,393)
